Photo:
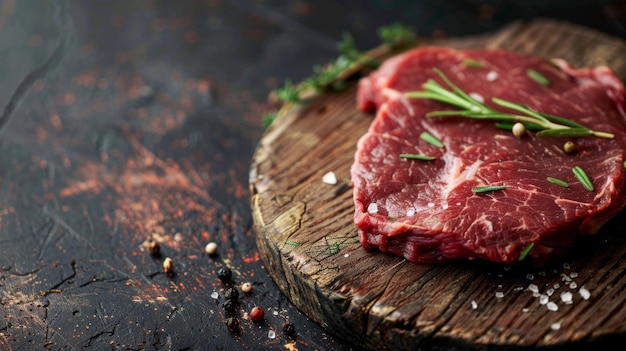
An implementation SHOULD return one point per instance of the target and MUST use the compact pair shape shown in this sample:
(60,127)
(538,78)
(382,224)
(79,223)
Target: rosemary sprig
(551,126)
(333,75)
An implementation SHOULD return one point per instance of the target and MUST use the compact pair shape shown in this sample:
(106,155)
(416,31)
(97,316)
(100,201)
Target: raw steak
(426,211)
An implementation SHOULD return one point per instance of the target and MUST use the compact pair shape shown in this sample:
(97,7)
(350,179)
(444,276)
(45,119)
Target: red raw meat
(426,211)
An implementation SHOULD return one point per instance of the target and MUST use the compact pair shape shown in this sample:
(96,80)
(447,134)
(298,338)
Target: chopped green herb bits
(583,178)
(488,188)
(558,182)
(538,77)
(431,139)
(334,248)
(292,243)
(418,157)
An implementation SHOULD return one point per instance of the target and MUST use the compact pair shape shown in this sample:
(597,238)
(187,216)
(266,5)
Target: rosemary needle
(417,157)
(431,139)
(488,188)
(558,182)
(472,63)
(583,178)
(538,77)
(526,251)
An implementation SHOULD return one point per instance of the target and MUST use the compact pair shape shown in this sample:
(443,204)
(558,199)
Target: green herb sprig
(333,75)
(551,126)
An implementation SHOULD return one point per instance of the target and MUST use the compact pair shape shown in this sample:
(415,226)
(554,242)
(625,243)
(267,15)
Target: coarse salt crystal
(410,212)
(431,205)
(477,97)
(573,275)
(555,326)
(271,334)
(552,306)
(474,305)
(499,294)
(573,285)
(566,297)
(530,276)
(346,255)
(544,299)
(372,208)
(492,75)
(525,309)
(330,178)
(215,295)
(566,265)
(533,288)
(549,292)
(584,293)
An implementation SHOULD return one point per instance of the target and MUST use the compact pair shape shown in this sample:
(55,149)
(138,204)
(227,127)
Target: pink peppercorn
(256,314)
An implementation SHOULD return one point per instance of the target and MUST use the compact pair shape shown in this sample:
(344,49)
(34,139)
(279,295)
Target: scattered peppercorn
(230,306)
(569,147)
(246,287)
(167,265)
(225,274)
(518,129)
(211,248)
(256,314)
(231,294)
(289,329)
(232,323)
(153,247)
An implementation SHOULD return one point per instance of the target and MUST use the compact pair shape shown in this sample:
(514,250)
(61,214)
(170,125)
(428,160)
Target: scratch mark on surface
(58,220)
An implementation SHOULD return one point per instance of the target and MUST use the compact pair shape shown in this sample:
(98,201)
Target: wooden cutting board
(309,243)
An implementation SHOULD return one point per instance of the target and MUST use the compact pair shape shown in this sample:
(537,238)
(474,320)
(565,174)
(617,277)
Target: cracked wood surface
(308,240)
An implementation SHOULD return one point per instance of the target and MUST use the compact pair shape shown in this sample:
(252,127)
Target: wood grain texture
(309,243)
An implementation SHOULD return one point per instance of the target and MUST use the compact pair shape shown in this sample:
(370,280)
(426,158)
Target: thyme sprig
(549,125)
(333,75)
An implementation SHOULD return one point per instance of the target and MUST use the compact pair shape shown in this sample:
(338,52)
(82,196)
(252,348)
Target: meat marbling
(426,211)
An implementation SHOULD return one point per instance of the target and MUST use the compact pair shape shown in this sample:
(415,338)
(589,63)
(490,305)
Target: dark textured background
(124,120)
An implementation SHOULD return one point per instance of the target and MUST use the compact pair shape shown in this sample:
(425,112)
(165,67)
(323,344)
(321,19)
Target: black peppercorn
(225,274)
(153,247)
(231,294)
(289,329)
(230,306)
(232,323)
